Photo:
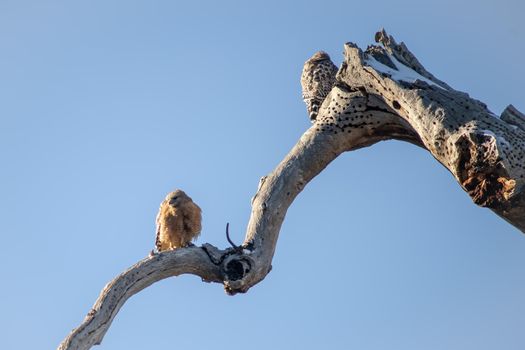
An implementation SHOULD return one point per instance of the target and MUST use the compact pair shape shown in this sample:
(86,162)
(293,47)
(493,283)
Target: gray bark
(197,261)
(382,93)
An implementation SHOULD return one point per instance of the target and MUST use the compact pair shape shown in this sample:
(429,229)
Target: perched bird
(317,80)
(178,221)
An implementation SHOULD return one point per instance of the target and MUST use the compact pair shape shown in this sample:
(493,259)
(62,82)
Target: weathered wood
(141,275)
(483,152)
(382,93)
(385,93)
(513,117)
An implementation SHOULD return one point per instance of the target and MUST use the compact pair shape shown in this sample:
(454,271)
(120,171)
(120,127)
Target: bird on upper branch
(178,221)
(317,80)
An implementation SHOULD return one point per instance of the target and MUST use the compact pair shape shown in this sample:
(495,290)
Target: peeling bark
(380,94)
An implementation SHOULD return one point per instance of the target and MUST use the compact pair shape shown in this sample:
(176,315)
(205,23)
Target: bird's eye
(174,198)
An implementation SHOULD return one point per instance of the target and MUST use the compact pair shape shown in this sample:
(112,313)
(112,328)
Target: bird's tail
(313,109)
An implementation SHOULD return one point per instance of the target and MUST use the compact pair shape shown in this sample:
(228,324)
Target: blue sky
(108,105)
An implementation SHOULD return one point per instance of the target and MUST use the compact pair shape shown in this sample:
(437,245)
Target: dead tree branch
(197,261)
(381,93)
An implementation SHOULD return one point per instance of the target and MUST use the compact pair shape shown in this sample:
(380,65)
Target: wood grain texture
(381,93)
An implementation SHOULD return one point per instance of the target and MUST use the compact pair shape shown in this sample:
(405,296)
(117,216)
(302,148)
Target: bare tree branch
(192,260)
(380,94)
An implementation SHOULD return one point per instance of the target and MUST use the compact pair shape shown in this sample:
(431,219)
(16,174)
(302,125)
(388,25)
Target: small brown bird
(317,80)
(178,221)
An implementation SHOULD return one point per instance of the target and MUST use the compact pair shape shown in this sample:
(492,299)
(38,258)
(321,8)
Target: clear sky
(105,106)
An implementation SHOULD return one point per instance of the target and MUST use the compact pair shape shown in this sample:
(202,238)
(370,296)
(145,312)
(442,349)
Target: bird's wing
(192,220)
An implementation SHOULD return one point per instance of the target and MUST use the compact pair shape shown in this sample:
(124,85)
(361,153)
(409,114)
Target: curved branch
(385,93)
(228,238)
(192,260)
(380,94)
